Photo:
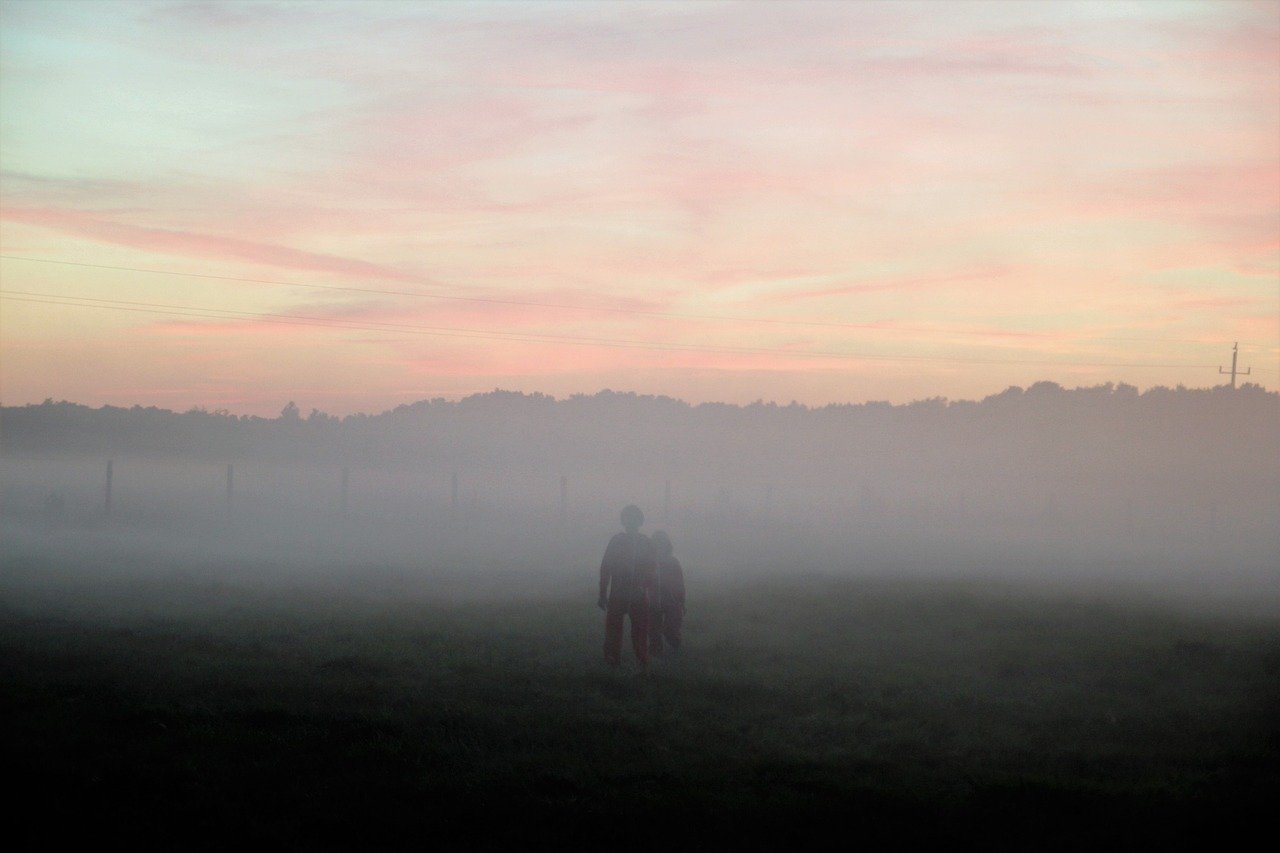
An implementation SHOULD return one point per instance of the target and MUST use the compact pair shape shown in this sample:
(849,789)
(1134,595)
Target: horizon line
(1048,386)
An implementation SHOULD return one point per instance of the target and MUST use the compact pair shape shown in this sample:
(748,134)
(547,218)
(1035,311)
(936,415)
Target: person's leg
(672,622)
(655,631)
(613,633)
(640,631)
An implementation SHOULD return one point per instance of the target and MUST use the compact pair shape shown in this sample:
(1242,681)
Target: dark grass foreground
(188,713)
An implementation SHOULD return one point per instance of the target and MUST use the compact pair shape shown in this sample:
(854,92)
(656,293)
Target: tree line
(1045,428)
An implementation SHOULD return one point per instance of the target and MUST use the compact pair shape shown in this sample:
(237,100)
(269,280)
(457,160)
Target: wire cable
(199,312)
(671,315)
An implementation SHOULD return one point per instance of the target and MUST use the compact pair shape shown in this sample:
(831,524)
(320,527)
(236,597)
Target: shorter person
(666,615)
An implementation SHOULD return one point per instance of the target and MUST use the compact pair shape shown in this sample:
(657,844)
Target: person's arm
(606,571)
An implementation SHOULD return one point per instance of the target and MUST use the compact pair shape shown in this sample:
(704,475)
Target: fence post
(564,500)
(107,496)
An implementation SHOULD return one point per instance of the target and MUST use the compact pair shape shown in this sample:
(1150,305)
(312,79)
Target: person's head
(662,543)
(632,518)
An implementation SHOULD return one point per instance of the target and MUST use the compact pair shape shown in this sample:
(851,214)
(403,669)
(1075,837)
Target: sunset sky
(356,205)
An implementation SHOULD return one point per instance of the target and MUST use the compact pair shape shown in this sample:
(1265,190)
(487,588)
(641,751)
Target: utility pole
(1235,353)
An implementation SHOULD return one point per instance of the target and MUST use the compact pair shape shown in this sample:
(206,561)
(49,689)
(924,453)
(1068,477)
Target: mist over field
(1173,491)
(1049,617)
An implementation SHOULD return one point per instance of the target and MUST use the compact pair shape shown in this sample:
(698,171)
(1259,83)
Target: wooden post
(107,501)
(564,500)
(453,494)
(666,502)
(346,476)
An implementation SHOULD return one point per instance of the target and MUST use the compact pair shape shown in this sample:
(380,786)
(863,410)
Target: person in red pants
(667,613)
(626,584)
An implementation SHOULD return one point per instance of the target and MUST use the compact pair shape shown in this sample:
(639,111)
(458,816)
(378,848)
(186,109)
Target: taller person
(626,585)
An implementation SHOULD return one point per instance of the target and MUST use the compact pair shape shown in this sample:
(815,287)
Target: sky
(356,205)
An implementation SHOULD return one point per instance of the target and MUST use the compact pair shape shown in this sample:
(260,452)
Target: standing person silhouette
(666,610)
(626,584)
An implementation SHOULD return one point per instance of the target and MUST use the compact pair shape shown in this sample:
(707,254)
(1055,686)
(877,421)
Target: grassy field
(178,709)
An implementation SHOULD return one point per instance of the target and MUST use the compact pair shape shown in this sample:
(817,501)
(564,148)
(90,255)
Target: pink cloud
(198,245)
(984,274)
(1187,191)
(558,312)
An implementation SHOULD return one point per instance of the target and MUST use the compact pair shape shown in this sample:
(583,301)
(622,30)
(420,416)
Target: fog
(1172,492)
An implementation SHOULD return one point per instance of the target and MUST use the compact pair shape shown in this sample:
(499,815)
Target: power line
(198,312)
(453,297)
(338,323)
(676,315)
